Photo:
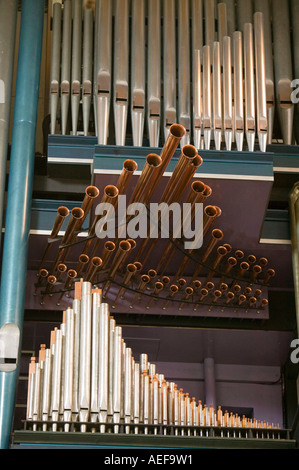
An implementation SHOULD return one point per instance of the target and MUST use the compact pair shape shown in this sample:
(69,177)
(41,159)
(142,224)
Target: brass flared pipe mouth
(124,245)
(77,213)
(153,160)
(145,278)
(92,192)
(109,246)
(130,165)
(198,186)
(84,258)
(239,254)
(132,242)
(138,265)
(111,191)
(152,273)
(131,268)
(189,151)
(61,267)
(96,261)
(177,130)
(72,273)
(63,211)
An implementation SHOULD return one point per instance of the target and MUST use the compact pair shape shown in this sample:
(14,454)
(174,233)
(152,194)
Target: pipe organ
(88,380)
(126,71)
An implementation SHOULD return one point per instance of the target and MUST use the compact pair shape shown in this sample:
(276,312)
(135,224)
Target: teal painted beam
(18,210)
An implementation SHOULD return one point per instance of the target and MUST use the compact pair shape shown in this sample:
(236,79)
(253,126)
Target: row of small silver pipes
(89,375)
(215,83)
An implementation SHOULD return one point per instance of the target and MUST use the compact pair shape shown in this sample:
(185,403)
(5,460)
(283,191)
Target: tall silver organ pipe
(88,377)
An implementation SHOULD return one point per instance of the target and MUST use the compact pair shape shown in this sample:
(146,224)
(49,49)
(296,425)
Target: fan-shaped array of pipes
(230,279)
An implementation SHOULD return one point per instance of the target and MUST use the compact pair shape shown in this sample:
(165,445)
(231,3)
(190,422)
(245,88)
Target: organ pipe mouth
(63,211)
(83,258)
(189,151)
(111,191)
(177,130)
(153,160)
(130,165)
(92,191)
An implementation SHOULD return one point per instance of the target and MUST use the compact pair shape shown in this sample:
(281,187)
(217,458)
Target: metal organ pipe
(112,388)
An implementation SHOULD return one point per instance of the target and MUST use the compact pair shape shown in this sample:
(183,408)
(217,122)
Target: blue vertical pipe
(19,196)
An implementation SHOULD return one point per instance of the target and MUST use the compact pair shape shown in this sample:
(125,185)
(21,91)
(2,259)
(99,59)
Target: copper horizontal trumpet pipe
(241,299)
(203,293)
(145,279)
(175,194)
(229,297)
(210,213)
(133,246)
(108,250)
(83,261)
(62,213)
(221,252)
(188,153)
(270,273)
(42,276)
(209,286)
(258,293)
(217,235)
(94,266)
(152,273)
(176,133)
(188,294)
(173,289)
(165,280)
(184,180)
(223,286)
(181,283)
(251,259)
(236,288)
(216,296)
(71,275)
(263,261)
(252,302)
(130,271)
(244,266)
(123,250)
(51,280)
(247,290)
(158,287)
(129,168)
(239,254)
(148,175)
(74,225)
(228,247)
(231,262)
(91,193)
(196,284)
(110,196)
(209,217)
(256,270)
(75,222)
(61,268)
(264,303)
